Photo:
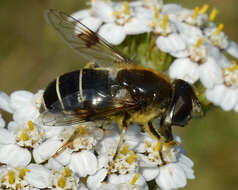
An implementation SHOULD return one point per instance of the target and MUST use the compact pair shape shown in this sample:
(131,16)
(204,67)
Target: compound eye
(181,111)
(183,103)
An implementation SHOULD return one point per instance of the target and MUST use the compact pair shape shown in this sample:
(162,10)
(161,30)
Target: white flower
(184,69)
(165,163)
(14,178)
(226,94)
(83,163)
(63,178)
(120,20)
(191,17)
(38,176)
(10,151)
(128,181)
(5,102)
(175,175)
(86,18)
(25,105)
(173,44)
(217,37)
(232,49)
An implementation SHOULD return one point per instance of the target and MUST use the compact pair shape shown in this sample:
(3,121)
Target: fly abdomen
(86,89)
(62,93)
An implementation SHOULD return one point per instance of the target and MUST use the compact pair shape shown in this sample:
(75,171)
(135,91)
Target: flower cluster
(197,46)
(34,156)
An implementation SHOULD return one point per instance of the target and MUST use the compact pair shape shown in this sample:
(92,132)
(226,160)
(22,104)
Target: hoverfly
(113,88)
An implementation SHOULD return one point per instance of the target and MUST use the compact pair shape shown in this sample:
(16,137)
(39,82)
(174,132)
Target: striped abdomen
(84,89)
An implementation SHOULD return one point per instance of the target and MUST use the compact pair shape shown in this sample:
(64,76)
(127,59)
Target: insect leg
(152,131)
(166,132)
(123,123)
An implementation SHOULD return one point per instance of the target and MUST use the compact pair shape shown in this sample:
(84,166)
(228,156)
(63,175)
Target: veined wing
(84,41)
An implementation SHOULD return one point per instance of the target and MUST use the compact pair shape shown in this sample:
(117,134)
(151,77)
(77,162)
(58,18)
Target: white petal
(233,49)
(219,57)
(25,114)
(53,164)
(190,34)
(171,177)
(5,102)
(83,163)
(46,150)
(171,43)
(186,165)
(180,54)
(184,69)
(81,14)
(216,94)
(172,9)
(112,33)
(92,23)
(103,11)
(150,173)
(144,13)
(229,99)
(6,137)
(38,176)
(19,99)
(94,181)
(14,155)
(136,26)
(210,73)
(120,179)
(64,158)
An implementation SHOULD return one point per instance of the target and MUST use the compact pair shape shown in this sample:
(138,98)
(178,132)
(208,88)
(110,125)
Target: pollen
(204,9)
(157,146)
(22,172)
(199,42)
(24,135)
(125,149)
(82,131)
(135,178)
(219,29)
(11,177)
(213,14)
(126,8)
(61,182)
(195,12)
(30,125)
(165,21)
(67,172)
(157,12)
(132,157)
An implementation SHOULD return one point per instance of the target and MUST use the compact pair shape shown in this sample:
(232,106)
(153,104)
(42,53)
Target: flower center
(126,161)
(160,24)
(64,179)
(231,76)
(13,178)
(122,14)
(29,135)
(198,52)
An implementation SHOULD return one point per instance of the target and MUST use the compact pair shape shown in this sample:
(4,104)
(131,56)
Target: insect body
(114,88)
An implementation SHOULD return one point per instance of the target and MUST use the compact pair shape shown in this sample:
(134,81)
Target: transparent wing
(84,41)
(81,115)
(73,118)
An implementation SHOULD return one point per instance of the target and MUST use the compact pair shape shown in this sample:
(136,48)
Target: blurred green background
(32,54)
